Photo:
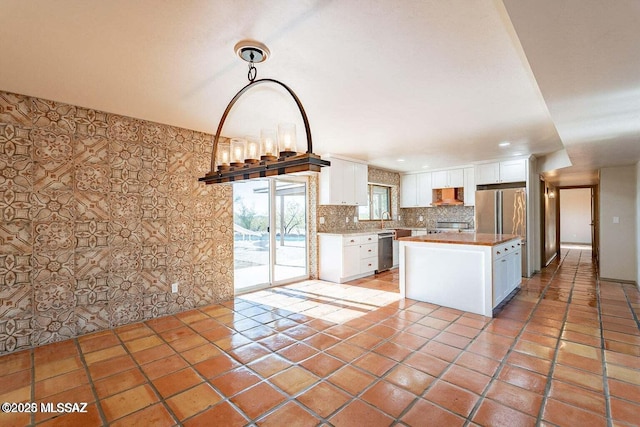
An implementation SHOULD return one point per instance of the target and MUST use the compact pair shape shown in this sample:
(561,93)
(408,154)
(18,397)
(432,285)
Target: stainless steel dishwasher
(385,251)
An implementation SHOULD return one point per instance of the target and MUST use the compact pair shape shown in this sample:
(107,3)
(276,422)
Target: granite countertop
(481,239)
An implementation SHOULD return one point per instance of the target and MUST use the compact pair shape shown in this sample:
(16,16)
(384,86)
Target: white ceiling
(436,83)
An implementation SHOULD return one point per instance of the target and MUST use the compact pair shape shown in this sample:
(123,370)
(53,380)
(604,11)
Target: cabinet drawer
(505,249)
(369,250)
(368,264)
(350,240)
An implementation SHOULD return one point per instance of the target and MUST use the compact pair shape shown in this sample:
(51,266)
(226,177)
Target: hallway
(564,351)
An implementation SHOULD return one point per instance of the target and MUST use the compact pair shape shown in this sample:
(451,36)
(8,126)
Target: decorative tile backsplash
(335,216)
(100,215)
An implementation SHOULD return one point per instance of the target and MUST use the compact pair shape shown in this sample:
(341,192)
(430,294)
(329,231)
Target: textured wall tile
(125,284)
(126,258)
(154,135)
(16,173)
(92,234)
(123,128)
(91,318)
(124,310)
(92,262)
(15,333)
(154,207)
(52,326)
(15,270)
(155,281)
(90,205)
(180,139)
(91,290)
(54,296)
(14,141)
(154,257)
(91,150)
(125,206)
(15,301)
(90,122)
(52,206)
(125,233)
(52,266)
(16,237)
(53,115)
(53,236)
(92,177)
(125,155)
(14,205)
(15,109)
(154,305)
(98,216)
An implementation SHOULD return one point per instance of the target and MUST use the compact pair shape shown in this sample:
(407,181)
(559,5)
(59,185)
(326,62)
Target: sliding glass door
(270,232)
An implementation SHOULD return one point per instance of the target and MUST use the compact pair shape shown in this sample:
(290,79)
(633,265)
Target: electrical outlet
(421,218)
(347,218)
(174,288)
(616,220)
(355,219)
(399,217)
(321,220)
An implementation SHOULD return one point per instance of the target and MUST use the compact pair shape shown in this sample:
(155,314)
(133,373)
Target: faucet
(382,218)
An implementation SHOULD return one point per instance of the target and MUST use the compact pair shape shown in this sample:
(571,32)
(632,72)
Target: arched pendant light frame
(284,165)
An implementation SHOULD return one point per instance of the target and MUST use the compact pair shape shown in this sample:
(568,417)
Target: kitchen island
(472,272)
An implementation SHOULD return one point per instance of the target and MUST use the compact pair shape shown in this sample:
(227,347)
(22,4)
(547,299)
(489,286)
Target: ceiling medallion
(276,152)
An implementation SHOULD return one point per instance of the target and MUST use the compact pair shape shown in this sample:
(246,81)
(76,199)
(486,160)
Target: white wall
(638,223)
(618,241)
(575,215)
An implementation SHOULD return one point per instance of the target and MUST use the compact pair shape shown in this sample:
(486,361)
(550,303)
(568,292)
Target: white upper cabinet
(469,187)
(499,172)
(447,178)
(513,171)
(415,190)
(344,183)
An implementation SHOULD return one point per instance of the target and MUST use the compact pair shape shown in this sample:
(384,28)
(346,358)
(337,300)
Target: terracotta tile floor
(564,351)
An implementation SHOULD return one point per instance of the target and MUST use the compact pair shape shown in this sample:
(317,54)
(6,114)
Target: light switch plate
(355,219)
(347,220)
(616,220)
(321,220)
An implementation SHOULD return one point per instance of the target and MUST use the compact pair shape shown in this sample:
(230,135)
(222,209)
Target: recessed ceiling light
(401,160)
(504,144)
(425,167)
(517,153)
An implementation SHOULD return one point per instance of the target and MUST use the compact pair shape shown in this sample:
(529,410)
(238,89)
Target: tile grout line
(603,354)
(503,362)
(554,360)
(91,384)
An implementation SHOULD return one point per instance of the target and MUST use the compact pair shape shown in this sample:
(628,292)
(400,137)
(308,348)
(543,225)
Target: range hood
(448,196)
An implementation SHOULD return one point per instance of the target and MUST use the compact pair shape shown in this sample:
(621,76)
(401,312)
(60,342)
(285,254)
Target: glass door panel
(251,243)
(290,233)
(270,232)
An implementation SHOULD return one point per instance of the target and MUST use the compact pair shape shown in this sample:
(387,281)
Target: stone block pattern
(100,214)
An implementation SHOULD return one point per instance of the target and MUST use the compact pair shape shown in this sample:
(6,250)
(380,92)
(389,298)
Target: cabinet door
(439,179)
(331,183)
(361,181)
(469,187)
(455,178)
(408,191)
(488,173)
(502,279)
(513,171)
(424,189)
(350,260)
(347,183)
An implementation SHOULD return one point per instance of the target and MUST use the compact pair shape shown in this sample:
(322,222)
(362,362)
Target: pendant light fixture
(274,154)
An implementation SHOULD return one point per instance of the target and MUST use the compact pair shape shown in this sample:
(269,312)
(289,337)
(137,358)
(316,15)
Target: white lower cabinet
(347,257)
(507,270)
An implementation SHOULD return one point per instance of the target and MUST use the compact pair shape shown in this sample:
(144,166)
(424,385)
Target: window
(379,202)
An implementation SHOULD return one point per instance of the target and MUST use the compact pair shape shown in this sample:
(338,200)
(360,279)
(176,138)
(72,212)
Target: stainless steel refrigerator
(503,211)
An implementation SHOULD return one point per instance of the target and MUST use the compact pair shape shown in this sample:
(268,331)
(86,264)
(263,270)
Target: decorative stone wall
(100,214)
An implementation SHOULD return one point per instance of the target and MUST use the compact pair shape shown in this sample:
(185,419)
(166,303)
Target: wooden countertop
(480,239)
